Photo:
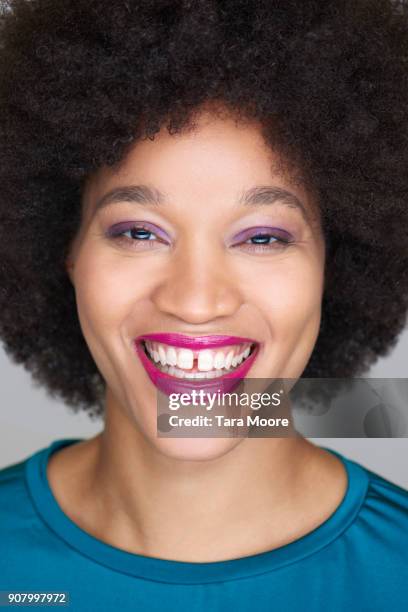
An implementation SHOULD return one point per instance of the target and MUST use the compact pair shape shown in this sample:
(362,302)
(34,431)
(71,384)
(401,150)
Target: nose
(198,287)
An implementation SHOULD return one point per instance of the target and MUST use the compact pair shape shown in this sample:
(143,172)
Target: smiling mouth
(199,364)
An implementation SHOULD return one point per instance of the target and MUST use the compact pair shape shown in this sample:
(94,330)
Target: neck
(255,497)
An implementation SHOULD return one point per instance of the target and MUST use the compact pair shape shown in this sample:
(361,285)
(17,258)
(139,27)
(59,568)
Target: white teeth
(205,360)
(219,360)
(234,361)
(194,375)
(171,356)
(162,355)
(210,362)
(190,374)
(228,359)
(185,359)
(240,358)
(177,373)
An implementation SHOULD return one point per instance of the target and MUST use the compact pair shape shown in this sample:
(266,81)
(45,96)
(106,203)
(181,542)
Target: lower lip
(170,384)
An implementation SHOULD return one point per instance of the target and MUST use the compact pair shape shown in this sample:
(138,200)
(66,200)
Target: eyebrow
(255,196)
(138,194)
(260,196)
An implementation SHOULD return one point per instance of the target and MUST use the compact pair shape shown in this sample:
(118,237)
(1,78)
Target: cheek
(107,288)
(288,292)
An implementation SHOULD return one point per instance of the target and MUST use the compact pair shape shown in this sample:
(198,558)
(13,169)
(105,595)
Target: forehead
(217,158)
(216,144)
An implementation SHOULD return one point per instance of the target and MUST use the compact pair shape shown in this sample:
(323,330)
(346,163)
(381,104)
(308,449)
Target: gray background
(30,420)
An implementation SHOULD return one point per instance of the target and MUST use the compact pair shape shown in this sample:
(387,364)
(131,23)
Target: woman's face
(228,246)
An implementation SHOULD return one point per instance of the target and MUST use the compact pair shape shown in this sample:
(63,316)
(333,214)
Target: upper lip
(195,342)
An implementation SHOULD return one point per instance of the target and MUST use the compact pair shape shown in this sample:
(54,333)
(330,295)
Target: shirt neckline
(182,572)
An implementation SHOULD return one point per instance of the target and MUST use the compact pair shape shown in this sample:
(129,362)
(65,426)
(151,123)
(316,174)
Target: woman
(190,189)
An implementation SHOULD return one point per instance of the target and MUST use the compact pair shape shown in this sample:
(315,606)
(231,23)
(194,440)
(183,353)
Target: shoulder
(373,491)
(15,502)
(382,521)
(384,491)
(385,494)
(12,482)
(376,511)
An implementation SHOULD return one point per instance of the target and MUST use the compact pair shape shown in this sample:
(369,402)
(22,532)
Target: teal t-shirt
(357,560)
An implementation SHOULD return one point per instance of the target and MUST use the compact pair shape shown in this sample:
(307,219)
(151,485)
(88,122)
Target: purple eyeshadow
(119,228)
(256,231)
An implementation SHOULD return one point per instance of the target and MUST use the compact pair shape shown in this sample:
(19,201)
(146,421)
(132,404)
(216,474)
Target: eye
(141,235)
(264,239)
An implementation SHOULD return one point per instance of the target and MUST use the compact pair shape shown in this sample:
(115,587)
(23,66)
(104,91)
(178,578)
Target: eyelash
(280,242)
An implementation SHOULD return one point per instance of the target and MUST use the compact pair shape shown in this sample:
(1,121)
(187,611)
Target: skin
(180,498)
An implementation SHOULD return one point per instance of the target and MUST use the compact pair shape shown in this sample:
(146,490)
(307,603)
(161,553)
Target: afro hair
(83,80)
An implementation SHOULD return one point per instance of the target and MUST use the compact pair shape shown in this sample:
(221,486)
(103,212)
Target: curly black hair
(83,80)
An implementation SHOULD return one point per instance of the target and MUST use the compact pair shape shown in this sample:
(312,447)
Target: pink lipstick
(168,383)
